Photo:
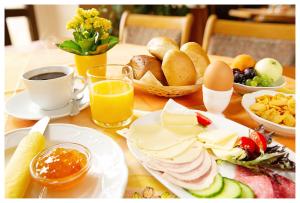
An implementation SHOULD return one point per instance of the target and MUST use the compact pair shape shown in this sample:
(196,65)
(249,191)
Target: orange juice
(111,101)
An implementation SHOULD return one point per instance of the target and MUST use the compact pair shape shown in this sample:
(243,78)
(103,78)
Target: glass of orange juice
(111,95)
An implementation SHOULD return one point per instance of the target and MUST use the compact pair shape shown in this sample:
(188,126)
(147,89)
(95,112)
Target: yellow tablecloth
(140,182)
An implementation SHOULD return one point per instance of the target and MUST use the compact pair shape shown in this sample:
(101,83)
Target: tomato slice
(249,145)
(259,139)
(202,120)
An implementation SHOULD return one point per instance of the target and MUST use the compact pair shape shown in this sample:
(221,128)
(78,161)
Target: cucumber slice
(247,192)
(231,189)
(212,190)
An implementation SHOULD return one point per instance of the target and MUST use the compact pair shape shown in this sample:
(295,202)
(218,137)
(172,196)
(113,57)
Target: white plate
(226,169)
(21,106)
(249,99)
(107,177)
(243,89)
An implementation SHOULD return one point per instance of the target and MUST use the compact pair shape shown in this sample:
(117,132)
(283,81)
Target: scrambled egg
(279,109)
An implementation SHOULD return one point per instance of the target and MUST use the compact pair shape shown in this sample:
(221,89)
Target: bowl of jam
(61,166)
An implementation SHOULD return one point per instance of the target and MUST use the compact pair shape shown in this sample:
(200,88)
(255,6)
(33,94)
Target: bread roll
(158,46)
(142,63)
(178,68)
(197,55)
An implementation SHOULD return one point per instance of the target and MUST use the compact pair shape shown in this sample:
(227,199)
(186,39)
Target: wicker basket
(168,91)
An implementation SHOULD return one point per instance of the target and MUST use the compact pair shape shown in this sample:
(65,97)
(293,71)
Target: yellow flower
(80,11)
(87,25)
(104,35)
(102,22)
(89,13)
(89,20)
(69,25)
(94,12)
(78,19)
(75,22)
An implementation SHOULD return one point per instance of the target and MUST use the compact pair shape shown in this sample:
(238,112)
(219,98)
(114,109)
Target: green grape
(253,83)
(263,77)
(257,79)
(248,82)
(265,83)
(270,81)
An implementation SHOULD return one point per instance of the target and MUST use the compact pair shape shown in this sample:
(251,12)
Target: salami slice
(260,184)
(265,186)
(283,187)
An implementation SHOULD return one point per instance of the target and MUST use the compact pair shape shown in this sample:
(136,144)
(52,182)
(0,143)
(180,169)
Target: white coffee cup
(216,101)
(52,93)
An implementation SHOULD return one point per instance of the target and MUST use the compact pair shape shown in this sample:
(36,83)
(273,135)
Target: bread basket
(168,91)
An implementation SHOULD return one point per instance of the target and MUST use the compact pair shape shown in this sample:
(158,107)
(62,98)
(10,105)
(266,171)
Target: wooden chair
(139,28)
(27,11)
(230,38)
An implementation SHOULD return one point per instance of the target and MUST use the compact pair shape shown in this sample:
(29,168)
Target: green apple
(269,67)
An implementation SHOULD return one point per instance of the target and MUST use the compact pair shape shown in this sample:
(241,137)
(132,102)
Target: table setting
(101,119)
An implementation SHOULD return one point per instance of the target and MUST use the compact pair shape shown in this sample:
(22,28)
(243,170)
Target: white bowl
(249,99)
(243,89)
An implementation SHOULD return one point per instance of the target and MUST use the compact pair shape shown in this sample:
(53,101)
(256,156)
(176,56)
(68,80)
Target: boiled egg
(218,76)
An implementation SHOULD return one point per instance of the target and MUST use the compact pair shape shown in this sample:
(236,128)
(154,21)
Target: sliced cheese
(156,137)
(186,129)
(188,155)
(218,139)
(228,154)
(170,152)
(174,114)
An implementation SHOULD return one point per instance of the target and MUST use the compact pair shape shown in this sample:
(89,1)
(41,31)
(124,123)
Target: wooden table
(264,15)
(19,60)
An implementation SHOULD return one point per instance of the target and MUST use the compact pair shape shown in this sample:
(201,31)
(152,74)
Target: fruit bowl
(243,89)
(249,99)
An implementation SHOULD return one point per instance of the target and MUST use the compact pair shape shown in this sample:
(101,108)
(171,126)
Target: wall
(52,19)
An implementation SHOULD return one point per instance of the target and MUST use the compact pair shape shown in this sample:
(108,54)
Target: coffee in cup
(52,87)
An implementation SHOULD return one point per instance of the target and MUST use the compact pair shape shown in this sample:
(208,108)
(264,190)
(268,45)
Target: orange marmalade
(60,163)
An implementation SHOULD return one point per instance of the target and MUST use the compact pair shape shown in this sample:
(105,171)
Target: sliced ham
(202,169)
(196,184)
(176,168)
(185,167)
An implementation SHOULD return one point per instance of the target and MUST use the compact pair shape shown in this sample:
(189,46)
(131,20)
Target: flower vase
(85,62)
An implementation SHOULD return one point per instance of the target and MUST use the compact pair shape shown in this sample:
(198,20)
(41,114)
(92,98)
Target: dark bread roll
(142,63)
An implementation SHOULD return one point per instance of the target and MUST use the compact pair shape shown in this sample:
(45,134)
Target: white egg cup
(216,101)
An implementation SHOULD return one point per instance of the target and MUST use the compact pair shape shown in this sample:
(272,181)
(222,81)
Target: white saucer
(108,174)
(21,106)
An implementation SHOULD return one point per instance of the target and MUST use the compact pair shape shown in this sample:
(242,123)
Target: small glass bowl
(66,182)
